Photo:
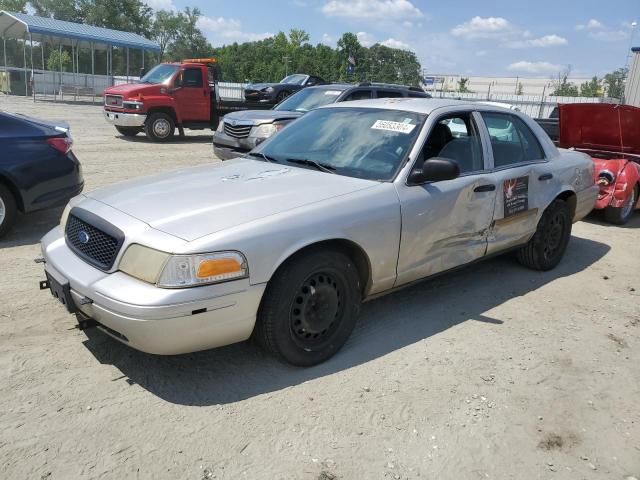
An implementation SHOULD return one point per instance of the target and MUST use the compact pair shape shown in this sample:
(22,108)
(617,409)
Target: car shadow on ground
(31,227)
(176,140)
(596,217)
(241,371)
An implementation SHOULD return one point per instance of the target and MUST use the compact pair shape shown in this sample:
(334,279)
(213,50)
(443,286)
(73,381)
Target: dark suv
(239,132)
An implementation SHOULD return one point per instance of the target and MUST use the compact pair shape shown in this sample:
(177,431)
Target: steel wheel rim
(628,206)
(553,235)
(316,310)
(3,211)
(161,127)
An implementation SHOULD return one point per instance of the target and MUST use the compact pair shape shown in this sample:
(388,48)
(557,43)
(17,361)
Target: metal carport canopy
(20,25)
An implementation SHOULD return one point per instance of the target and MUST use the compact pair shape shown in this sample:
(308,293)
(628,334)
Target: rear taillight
(62,144)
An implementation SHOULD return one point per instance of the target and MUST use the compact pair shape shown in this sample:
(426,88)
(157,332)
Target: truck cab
(171,95)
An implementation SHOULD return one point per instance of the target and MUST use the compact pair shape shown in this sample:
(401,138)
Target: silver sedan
(349,202)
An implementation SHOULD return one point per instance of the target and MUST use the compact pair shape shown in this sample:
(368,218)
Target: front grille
(93,244)
(113,101)
(238,131)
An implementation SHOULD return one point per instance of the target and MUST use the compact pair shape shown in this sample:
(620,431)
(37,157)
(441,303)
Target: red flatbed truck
(171,95)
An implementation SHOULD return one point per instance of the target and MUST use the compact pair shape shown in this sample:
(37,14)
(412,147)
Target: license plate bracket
(60,291)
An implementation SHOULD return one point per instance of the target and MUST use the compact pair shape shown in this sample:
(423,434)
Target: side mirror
(435,169)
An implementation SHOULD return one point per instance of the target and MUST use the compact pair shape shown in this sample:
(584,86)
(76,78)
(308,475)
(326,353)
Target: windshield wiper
(323,167)
(266,158)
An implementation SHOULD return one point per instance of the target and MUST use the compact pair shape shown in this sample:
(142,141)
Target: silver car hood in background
(260,116)
(202,200)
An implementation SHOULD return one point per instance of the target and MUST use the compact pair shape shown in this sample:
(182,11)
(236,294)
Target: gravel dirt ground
(491,372)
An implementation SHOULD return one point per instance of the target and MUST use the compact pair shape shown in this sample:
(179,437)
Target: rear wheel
(8,210)
(309,308)
(547,246)
(159,127)
(128,131)
(621,215)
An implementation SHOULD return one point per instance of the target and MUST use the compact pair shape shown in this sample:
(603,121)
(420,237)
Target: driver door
(445,224)
(192,96)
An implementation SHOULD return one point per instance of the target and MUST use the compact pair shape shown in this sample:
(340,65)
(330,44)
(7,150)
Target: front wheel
(309,308)
(128,131)
(547,246)
(8,210)
(621,215)
(159,127)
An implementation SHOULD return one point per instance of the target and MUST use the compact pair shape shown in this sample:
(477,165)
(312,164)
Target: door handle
(545,176)
(484,188)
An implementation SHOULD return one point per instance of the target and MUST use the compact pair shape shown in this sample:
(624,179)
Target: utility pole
(286,65)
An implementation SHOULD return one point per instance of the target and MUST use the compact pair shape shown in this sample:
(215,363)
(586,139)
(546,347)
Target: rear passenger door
(518,170)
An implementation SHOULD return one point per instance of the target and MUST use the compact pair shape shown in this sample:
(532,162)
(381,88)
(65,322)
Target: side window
(455,137)
(389,94)
(512,141)
(358,95)
(312,81)
(192,77)
(413,94)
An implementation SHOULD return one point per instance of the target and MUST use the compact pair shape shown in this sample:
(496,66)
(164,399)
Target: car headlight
(65,217)
(181,271)
(264,131)
(606,178)
(132,105)
(220,126)
(268,89)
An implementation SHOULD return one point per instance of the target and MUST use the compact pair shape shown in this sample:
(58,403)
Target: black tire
(547,246)
(128,131)
(8,210)
(621,215)
(159,127)
(292,325)
(282,95)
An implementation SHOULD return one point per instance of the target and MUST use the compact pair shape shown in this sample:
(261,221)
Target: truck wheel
(8,210)
(159,127)
(309,308)
(128,131)
(621,215)
(547,246)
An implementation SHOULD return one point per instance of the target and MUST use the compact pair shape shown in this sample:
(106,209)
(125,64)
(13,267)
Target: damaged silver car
(349,202)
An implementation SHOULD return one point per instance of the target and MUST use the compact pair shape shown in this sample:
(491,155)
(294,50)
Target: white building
(632,89)
(495,85)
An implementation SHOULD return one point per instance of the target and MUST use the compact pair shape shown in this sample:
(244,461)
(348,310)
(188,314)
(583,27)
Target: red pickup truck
(171,95)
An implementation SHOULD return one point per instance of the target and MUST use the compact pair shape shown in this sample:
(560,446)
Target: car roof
(346,86)
(417,105)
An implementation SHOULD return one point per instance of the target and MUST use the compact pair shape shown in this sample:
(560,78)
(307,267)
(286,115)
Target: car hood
(128,90)
(259,86)
(199,201)
(260,116)
(600,126)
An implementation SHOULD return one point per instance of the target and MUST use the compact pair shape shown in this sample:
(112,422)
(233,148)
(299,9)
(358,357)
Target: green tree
(298,37)
(55,58)
(190,42)
(166,27)
(18,6)
(348,44)
(463,85)
(591,88)
(562,86)
(614,83)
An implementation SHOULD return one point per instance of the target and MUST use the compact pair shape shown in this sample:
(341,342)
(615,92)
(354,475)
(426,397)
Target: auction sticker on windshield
(390,126)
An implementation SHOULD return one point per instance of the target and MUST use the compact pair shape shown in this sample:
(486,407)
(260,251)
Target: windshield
(160,73)
(297,79)
(357,142)
(309,99)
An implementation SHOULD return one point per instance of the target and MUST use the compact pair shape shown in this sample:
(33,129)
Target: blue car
(38,170)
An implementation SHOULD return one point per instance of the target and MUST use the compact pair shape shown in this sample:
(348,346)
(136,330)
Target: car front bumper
(152,319)
(120,119)
(226,147)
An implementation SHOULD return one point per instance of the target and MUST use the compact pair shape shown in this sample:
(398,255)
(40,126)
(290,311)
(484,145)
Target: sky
(467,37)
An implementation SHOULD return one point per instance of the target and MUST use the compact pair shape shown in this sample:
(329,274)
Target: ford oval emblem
(83,237)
